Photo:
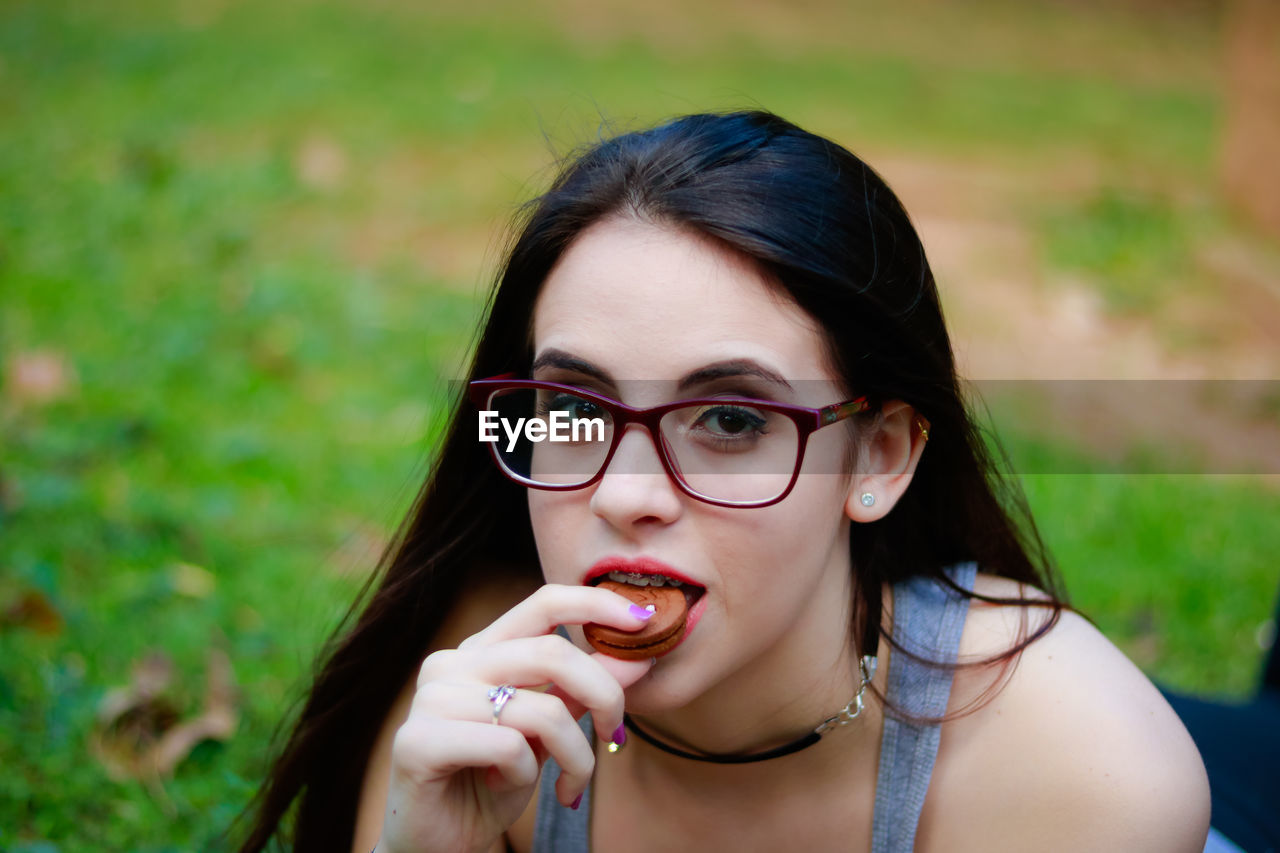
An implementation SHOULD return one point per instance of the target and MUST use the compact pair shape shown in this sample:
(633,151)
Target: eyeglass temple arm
(840,411)
(477,393)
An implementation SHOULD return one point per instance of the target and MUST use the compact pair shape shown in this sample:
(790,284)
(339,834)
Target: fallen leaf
(131,719)
(32,609)
(38,377)
(142,735)
(320,163)
(217,721)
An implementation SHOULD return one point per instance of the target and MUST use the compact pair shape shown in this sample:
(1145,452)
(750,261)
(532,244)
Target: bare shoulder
(472,613)
(1076,751)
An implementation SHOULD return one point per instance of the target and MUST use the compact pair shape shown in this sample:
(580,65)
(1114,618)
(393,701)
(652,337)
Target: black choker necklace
(786,749)
(846,715)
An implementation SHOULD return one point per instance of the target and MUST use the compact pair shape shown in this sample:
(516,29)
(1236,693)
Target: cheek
(814,527)
(827,474)
(832,451)
(793,540)
(550,515)
(814,517)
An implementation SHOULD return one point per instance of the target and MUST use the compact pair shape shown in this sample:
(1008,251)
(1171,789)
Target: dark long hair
(826,228)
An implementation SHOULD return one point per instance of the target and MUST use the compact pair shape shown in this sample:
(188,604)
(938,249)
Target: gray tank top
(928,618)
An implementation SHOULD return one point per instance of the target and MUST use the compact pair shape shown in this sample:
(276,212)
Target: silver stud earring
(868,499)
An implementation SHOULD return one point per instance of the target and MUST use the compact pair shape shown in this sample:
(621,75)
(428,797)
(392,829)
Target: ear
(887,461)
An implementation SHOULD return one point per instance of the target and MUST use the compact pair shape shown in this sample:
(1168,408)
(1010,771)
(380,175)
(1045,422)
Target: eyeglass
(728,451)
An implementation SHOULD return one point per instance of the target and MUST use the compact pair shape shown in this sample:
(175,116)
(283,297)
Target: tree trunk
(1251,132)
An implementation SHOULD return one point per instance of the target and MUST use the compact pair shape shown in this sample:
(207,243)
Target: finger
(626,673)
(540,717)
(559,604)
(584,681)
(431,750)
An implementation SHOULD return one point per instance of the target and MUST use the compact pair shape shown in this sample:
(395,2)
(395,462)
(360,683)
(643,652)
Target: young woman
(869,653)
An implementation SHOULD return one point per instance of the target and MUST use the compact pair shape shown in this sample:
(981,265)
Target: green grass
(1177,570)
(1135,245)
(260,359)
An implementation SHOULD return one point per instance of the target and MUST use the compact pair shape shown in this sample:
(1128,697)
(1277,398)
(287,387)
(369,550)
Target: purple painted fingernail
(577,802)
(620,736)
(640,613)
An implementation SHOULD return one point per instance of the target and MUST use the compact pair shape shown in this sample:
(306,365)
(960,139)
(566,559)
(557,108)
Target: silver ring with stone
(498,697)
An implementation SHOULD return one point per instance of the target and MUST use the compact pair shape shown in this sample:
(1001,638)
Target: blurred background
(243,247)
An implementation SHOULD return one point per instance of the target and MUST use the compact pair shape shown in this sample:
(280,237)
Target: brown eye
(726,421)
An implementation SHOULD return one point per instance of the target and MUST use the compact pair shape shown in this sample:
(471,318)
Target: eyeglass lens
(725,451)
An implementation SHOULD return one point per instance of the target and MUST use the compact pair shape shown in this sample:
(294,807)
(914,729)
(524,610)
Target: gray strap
(559,829)
(928,618)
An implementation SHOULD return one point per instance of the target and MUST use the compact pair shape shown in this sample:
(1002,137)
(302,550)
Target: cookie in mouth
(662,633)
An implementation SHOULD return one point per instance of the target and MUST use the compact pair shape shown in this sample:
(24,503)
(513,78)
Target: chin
(643,701)
(664,689)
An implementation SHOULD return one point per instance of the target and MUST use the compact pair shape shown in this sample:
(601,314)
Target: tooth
(639,579)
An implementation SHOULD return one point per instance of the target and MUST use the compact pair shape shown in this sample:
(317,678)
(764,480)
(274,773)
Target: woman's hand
(457,780)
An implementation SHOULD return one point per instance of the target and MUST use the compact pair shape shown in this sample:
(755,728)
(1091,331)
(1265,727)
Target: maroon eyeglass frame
(807,421)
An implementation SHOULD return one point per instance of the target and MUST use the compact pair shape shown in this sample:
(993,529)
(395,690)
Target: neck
(739,717)
(852,710)
(778,693)
(844,754)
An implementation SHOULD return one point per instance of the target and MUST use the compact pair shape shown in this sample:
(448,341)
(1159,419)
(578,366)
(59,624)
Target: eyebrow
(732,368)
(728,369)
(564,361)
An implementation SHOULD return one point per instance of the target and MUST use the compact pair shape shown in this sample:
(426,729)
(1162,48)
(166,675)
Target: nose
(636,488)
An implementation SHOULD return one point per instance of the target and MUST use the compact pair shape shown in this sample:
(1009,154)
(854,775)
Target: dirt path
(1010,319)
(1010,315)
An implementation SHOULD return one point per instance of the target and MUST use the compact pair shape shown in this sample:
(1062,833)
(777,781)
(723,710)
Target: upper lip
(638,565)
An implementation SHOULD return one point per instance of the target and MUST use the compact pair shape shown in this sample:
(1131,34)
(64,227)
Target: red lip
(641,565)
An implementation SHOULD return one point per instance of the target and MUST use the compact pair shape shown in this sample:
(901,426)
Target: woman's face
(630,311)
